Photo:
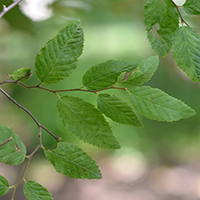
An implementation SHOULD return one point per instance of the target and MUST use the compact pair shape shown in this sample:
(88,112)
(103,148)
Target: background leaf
(118,110)
(72,161)
(10,152)
(105,74)
(83,120)
(34,191)
(192,7)
(21,73)
(57,59)
(4,185)
(161,15)
(186,52)
(144,72)
(157,105)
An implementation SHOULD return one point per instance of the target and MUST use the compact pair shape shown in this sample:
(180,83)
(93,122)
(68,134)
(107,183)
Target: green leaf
(157,105)
(186,52)
(192,7)
(4,185)
(118,110)
(83,120)
(163,16)
(34,191)
(70,160)
(57,59)
(20,73)
(105,74)
(144,72)
(13,152)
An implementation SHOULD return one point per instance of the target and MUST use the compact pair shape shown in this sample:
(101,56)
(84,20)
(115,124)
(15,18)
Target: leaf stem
(6,9)
(6,141)
(182,20)
(29,113)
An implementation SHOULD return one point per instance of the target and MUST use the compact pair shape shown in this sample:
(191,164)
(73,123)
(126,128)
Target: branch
(182,20)
(6,9)
(56,91)
(29,113)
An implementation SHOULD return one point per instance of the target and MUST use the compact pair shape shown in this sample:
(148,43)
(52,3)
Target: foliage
(58,59)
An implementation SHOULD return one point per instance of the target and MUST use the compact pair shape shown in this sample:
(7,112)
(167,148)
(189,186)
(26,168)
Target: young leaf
(72,161)
(4,185)
(192,7)
(34,191)
(186,52)
(13,152)
(144,72)
(161,13)
(157,105)
(105,74)
(20,73)
(117,110)
(83,120)
(57,59)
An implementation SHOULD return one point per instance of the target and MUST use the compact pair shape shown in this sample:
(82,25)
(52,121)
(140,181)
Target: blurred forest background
(158,162)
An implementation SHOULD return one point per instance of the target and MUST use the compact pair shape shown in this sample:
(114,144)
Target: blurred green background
(113,30)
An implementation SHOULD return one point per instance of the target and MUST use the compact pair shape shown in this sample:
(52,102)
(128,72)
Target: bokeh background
(158,162)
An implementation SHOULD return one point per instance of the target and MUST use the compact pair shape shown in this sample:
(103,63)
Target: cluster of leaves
(58,59)
(179,37)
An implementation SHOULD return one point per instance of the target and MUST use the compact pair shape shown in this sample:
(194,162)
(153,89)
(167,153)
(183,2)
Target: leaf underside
(83,120)
(72,161)
(155,104)
(57,59)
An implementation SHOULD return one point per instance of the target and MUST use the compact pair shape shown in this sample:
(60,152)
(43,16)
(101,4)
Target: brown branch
(6,141)
(6,9)
(29,113)
(57,91)
(182,20)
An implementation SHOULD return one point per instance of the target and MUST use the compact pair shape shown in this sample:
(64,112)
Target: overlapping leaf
(157,105)
(83,120)
(192,7)
(72,161)
(105,74)
(57,59)
(34,191)
(118,110)
(186,52)
(160,13)
(144,72)
(13,152)
(4,185)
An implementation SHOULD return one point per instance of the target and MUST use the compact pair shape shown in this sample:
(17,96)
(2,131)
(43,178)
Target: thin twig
(6,9)
(57,91)
(6,141)
(29,113)
(182,20)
